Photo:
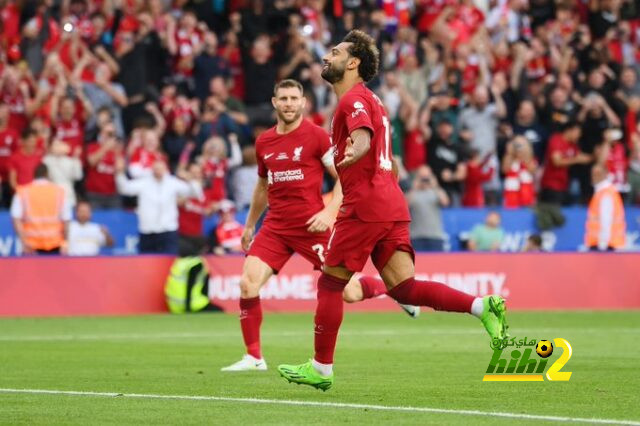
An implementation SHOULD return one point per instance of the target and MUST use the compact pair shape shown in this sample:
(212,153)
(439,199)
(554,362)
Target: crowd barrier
(63,286)
(518,225)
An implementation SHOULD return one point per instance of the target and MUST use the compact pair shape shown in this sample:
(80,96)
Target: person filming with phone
(426,198)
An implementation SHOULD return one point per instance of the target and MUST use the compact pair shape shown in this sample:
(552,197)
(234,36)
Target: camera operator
(426,199)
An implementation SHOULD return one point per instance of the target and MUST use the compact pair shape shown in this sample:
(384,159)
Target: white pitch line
(327,404)
(381,332)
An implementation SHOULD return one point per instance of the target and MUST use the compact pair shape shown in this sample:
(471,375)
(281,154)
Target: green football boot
(494,317)
(305,374)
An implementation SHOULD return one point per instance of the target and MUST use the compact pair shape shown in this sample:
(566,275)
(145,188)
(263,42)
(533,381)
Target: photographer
(425,201)
(595,117)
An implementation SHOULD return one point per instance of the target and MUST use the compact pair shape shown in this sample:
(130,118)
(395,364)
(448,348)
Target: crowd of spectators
(509,102)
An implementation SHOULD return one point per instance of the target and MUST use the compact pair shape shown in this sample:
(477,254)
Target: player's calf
(353,293)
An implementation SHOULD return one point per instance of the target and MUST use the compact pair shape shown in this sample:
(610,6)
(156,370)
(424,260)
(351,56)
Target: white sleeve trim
(327,158)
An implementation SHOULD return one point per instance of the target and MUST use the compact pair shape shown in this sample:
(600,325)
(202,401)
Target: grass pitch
(386,359)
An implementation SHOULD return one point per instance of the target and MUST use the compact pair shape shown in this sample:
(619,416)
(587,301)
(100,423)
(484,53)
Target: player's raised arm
(358,144)
(258,206)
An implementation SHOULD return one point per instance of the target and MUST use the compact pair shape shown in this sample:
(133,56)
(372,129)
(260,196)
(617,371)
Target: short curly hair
(363,47)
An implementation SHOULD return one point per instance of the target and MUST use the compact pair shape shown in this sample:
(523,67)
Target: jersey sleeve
(262,167)
(325,149)
(357,112)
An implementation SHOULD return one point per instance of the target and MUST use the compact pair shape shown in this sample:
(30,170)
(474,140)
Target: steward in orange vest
(41,214)
(605,227)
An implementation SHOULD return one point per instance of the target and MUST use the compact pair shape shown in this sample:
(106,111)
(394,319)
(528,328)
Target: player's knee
(249,288)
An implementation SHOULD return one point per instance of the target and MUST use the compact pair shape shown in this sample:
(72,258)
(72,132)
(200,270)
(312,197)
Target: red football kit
(293,165)
(374,216)
(373,221)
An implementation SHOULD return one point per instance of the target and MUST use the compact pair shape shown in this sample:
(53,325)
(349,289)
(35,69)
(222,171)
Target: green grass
(436,361)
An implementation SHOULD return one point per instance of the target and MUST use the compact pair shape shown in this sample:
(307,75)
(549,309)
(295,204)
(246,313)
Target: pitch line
(324,404)
(440,331)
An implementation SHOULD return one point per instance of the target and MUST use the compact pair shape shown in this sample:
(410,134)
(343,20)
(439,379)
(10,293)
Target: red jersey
(464,23)
(191,217)
(477,174)
(101,177)
(141,161)
(187,44)
(293,165)
(10,16)
(431,9)
(229,235)
(214,171)
(185,112)
(519,190)
(8,145)
(71,132)
(415,153)
(554,177)
(538,67)
(17,110)
(370,188)
(25,165)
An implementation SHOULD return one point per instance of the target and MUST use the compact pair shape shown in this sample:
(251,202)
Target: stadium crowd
(508,102)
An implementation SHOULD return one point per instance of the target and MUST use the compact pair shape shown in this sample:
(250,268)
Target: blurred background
(500,110)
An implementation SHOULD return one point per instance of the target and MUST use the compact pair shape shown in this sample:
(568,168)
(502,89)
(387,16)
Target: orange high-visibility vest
(618,227)
(42,204)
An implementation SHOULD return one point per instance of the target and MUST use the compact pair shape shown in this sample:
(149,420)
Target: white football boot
(247,363)
(412,311)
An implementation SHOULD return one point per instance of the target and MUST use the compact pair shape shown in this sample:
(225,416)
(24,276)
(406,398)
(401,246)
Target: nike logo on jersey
(266,156)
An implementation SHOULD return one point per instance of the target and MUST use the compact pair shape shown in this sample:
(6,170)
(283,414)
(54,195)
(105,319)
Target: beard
(334,73)
(286,120)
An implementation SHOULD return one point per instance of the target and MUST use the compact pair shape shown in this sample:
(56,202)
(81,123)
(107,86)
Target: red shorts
(353,241)
(275,249)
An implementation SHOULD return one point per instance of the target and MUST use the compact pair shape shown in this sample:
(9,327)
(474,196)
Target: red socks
(433,294)
(250,322)
(329,312)
(372,287)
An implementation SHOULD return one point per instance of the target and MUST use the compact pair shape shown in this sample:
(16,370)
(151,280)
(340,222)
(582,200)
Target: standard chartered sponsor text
(288,175)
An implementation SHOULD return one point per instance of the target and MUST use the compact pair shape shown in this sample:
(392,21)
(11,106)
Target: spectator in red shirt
(69,123)
(143,150)
(216,165)
(9,139)
(562,152)
(227,237)
(185,43)
(192,211)
(519,166)
(15,94)
(478,171)
(101,159)
(24,161)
